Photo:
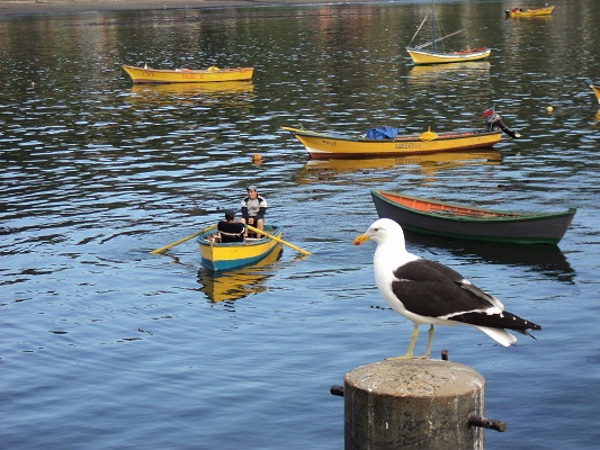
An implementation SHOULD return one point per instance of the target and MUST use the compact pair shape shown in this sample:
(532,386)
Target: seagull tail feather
(501,336)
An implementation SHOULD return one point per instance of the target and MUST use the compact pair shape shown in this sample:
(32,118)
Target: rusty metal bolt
(483,422)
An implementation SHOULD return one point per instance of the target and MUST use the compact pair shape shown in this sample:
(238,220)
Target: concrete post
(413,404)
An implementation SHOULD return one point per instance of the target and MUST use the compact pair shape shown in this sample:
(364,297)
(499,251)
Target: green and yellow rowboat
(243,282)
(218,257)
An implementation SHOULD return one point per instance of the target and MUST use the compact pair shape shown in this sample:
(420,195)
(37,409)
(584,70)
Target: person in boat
(494,120)
(229,229)
(254,208)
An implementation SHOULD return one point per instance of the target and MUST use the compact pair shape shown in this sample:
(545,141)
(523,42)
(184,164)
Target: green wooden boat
(467,222)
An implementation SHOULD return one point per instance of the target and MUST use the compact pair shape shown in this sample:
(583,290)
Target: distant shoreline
(13,8)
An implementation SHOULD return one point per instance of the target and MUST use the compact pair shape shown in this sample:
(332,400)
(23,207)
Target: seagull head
(383,231)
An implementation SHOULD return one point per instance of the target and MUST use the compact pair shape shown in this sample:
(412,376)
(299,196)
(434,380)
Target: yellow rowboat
(420,56)
(237,284)
(327,146)
(212,74)
(217,256)
(529,12)
(595,87)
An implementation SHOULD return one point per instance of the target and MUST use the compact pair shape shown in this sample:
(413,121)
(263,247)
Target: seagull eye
(376,230)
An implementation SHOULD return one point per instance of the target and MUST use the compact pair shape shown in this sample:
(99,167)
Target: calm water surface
(103,346)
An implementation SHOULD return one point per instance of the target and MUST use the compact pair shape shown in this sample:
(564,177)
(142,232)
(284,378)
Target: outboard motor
(495,121)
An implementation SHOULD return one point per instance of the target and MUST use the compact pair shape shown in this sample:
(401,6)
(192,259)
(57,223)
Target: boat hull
(220,257)
(530,12)
(424,57)
(429,216)
(327,146)
(211,75)
(237,284)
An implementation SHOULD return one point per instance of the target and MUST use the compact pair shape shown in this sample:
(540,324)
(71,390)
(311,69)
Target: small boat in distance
(432,56)
(212,74)
(327,146)
(217,256)
(595,87)
(420,56)
(530,12)
(428,216)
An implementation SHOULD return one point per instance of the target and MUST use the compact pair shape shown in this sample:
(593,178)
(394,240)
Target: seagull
(427,292)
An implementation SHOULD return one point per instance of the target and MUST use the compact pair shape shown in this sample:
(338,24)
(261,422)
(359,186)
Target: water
(104,346)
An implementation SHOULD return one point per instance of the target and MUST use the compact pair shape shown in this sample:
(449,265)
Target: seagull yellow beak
(360,239)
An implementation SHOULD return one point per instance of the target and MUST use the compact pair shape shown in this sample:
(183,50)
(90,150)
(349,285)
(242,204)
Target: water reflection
(448,72)
(191,92)
(548,260)
(316,171)
(189,89)
(236,284)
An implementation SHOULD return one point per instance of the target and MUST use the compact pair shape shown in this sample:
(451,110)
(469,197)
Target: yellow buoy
(549,109)
(256,158)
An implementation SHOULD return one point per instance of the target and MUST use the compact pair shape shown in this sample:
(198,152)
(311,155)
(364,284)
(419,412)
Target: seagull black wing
(431,289)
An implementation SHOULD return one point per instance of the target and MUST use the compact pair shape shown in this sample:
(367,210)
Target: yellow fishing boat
(529,12)
(326,146)
(219,256)
(212,74)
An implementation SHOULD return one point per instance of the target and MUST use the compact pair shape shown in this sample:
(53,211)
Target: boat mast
(433,25)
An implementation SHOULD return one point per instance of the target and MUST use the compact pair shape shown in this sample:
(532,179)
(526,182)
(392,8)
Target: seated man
(229,230)
(254,208)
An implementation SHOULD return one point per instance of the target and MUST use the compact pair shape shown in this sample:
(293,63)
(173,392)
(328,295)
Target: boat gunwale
(446,136)
(193,71)
(492,214)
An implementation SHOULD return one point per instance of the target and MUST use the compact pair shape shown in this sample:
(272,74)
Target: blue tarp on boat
(384,132)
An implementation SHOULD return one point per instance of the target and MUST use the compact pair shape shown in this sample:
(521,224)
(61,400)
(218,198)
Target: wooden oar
(276,239)
(181,241)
